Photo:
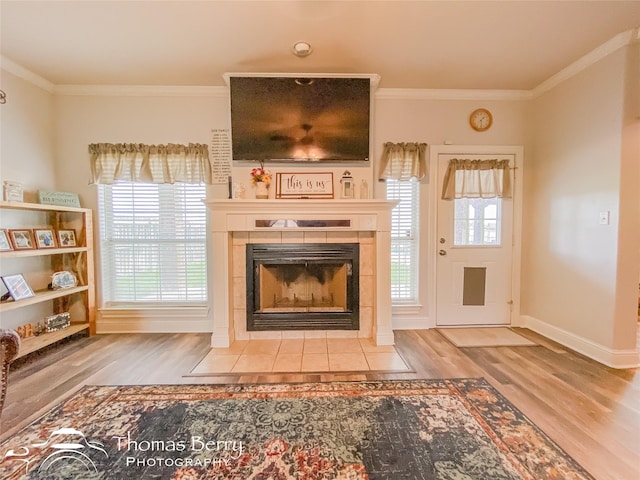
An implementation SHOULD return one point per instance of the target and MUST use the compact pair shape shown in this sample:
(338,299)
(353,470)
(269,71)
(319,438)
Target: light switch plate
(604,218)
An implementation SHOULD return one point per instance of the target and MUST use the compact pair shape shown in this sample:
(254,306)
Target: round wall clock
(480,119)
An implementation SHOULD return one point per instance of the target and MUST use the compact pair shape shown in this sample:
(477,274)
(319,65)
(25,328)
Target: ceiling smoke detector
(301,49)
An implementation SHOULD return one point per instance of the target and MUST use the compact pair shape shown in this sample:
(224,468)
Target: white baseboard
(410,322)
(154,320)
(612,358)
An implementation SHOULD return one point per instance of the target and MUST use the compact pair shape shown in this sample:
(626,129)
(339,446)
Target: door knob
(442,252)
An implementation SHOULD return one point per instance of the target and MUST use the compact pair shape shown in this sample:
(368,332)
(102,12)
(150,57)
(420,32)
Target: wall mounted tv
(300,118)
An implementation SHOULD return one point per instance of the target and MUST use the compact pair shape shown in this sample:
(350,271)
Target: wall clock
(480,119)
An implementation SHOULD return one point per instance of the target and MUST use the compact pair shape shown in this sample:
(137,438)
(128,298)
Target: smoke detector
(301,49)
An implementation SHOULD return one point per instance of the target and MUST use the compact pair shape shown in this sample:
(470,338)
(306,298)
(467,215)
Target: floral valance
(403,161)
(136,162)
(476,179)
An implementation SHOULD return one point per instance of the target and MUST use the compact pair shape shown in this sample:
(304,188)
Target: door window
(477,222)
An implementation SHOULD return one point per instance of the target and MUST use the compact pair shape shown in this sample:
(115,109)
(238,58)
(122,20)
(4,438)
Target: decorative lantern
(347,185)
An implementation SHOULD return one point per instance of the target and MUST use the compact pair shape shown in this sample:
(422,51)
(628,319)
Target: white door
(474,254)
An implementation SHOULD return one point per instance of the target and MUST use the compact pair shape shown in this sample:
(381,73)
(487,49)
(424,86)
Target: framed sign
(63,199)
(304,185)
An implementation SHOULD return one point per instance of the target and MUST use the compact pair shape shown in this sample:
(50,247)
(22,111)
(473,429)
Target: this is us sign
(304,185)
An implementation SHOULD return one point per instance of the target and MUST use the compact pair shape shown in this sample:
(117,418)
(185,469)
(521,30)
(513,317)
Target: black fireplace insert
(303,286)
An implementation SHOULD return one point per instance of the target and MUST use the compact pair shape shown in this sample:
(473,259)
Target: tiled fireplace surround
(233,224)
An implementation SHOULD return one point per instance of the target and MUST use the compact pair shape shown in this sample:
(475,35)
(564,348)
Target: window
(153,243)
(404,240)
(477,221)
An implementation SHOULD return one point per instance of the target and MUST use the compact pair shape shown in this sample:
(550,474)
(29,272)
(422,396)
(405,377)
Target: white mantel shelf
(240,215)
(268,204)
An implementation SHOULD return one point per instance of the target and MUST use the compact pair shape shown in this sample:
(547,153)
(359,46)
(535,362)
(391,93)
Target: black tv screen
(300,118)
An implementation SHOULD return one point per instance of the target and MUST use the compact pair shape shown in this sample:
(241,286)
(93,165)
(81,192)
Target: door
(474,254)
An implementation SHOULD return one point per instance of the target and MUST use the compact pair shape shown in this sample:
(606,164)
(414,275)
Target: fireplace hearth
(302,286)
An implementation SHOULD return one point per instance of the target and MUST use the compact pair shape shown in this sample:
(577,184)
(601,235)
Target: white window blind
(404,240)
(153,243)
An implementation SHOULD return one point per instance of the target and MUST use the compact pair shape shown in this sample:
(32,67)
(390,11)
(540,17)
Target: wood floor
(591,411)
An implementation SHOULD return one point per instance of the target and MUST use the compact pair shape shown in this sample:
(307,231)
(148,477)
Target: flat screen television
(300,118)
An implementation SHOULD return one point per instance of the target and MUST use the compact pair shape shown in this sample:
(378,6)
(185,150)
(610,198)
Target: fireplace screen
(302,286)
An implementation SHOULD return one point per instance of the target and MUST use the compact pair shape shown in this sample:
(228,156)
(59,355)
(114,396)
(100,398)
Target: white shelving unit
(82,259)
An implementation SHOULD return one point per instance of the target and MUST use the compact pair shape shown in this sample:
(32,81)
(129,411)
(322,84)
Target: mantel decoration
(304,185)
(261,178)
(347,185)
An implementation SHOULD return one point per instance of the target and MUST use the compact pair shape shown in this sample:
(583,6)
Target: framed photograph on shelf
(304,185)
(22,239)
(44,238)
(67,238)
(17,286)
(5,243)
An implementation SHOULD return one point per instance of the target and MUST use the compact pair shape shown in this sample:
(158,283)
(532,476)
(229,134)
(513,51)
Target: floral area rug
(411,429)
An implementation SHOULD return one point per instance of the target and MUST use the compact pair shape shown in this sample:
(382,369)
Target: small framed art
(17,286)
(22,239)
(67,238)
(5,243)
(44,238)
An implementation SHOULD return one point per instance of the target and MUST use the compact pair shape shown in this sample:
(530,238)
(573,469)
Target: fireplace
(238,222)
(302,286)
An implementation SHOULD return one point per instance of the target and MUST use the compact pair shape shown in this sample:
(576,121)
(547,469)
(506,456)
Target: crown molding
(607,48)
(140,91)
(451,94)
(25,74)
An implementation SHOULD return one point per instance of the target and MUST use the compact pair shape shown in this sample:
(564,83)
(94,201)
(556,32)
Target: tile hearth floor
(301,355)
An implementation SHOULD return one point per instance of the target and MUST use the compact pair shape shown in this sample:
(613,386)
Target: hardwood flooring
(591,411)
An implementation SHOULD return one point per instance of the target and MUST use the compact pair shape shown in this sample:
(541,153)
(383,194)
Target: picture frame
(17,286)
(22,239)
(45,238)
(62,280)
(5,243)
(299,185)
(67,238)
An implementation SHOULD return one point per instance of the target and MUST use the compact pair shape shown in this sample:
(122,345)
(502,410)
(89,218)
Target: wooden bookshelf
(40,296)
(32,344)
(79,259)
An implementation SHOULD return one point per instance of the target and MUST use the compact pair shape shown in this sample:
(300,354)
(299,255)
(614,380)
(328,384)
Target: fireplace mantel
(307,215)
(240,214)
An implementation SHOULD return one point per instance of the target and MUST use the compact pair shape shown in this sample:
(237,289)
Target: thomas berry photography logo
(64,447)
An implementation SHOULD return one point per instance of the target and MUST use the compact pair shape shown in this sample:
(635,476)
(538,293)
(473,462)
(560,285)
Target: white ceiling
(410,44)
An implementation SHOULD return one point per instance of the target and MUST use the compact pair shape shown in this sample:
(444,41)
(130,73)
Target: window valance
(403,161)
(136,162)
(476,179)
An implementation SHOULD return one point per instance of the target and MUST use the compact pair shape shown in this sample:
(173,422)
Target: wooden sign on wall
(62,199)
(304,185)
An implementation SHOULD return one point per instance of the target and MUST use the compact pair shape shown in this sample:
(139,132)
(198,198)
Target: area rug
(485,337)
(417,429)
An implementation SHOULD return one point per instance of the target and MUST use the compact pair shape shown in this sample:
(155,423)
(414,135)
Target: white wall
(26,129)
(26,156)
(571,263)
(154,119)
